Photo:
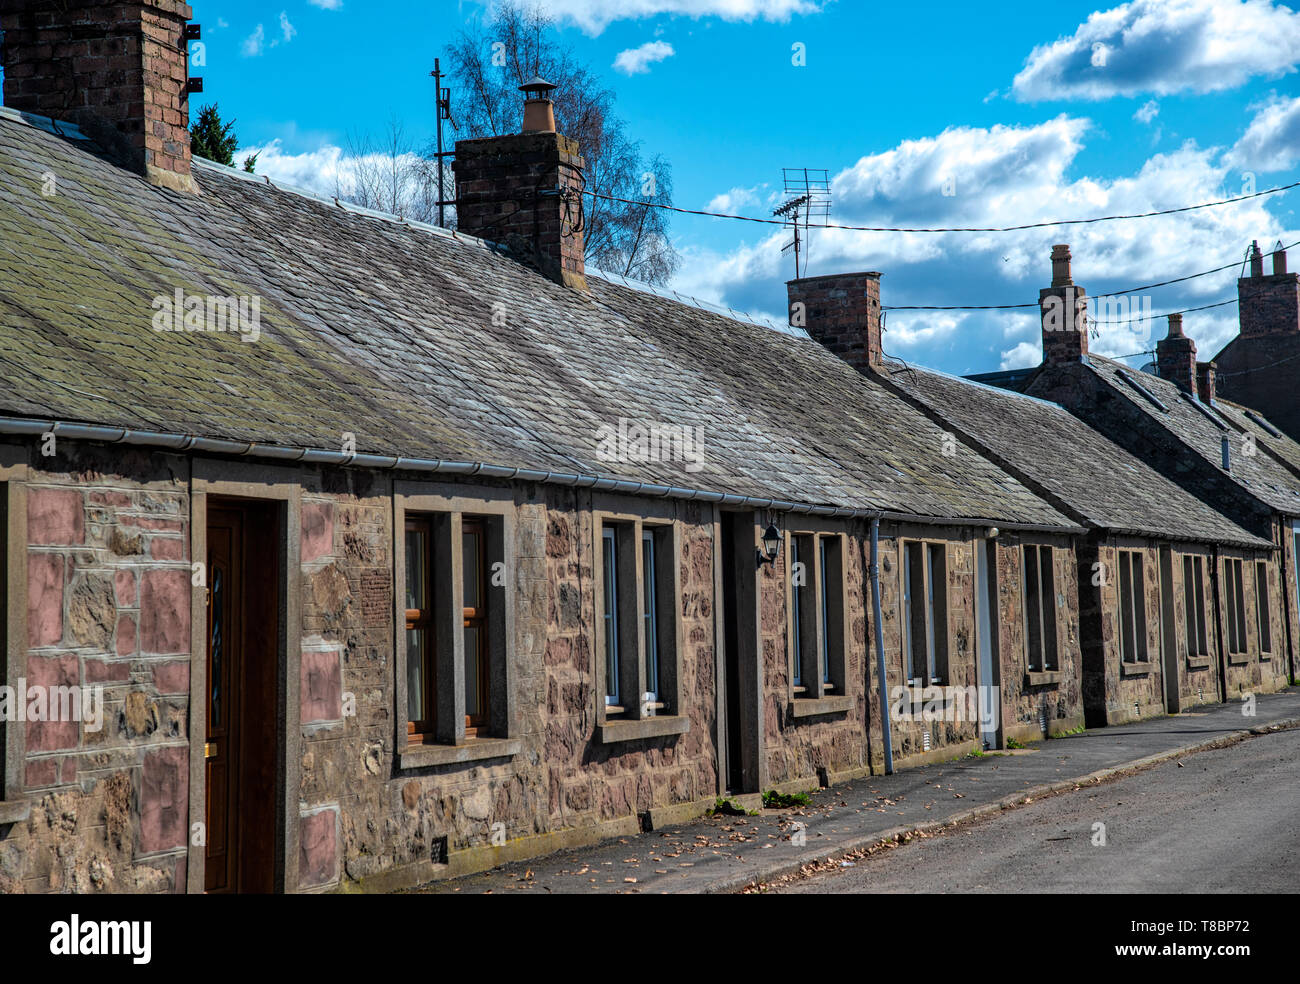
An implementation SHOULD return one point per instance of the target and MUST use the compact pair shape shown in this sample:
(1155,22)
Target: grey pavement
(1225,820)
(728,853)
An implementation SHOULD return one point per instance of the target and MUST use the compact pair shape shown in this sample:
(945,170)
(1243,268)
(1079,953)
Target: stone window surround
(813,699)
(280,484)
(1263,609)
(1044,675)
(942,635)
(1126,553)
(14,807)
(1232,578)
(447,504)
(637,721)
(1196,559)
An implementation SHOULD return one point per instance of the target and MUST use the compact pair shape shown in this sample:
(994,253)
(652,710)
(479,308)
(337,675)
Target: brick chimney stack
(524,191)
(842,312)
(1176,356)
(1205,384)
(116,70)
(1064,311)
(1268,305)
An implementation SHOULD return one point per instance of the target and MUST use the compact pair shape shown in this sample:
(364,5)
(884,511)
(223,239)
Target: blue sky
(1042,111)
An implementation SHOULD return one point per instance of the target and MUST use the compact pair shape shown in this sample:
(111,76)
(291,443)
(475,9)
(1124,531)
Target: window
(649,581)
(1262,608)
(925,612)
(610,546)
(1194,606)
(1040,609)
(1132,607)
(475,600)
(1235,600)
(638,610)
(420,676)
(455,627)
(816,614)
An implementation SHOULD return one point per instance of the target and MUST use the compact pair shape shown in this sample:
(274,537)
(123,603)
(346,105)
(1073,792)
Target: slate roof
(386,331)
(1267,434)
(1202,429)
(1094,478)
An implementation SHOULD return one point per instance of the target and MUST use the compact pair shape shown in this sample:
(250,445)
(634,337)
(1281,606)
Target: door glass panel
(218,615)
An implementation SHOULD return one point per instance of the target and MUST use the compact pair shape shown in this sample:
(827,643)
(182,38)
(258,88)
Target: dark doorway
(243,662)
(740,625)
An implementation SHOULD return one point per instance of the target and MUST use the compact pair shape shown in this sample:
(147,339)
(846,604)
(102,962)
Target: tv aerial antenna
(442,107)
(807,192)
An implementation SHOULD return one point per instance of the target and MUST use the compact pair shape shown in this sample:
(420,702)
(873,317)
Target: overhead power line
(1012,228)
(1110,293)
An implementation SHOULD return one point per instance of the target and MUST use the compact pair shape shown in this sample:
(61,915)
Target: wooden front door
(243,654)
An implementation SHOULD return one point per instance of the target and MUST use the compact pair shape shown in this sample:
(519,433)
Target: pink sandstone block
(318,849)
(164,799)
(321,687)
(107,671)
(166,548)
(172,677)
(42,772)
(55,516)
(317,530)
(126,643)
(44,599)
(48,672)
(165,611)
(124,588)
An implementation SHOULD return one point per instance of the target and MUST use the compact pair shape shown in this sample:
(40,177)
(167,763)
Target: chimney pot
(1063,309)
(1279,262)
(1061,265)
(1176,356)
(1176,326)
(1256,260)
(539,111)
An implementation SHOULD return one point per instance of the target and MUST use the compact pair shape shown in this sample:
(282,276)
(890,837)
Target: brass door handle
(209,750)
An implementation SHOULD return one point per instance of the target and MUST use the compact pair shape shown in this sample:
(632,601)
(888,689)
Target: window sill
(15,811)
(474,750)
(1042,678)
(1265,657)
(920,695)
(802,707)
(612,732)
(1135,669)
(1198,662)
(1238,659)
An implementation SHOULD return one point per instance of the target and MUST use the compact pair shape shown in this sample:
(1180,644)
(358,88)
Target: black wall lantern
(771,546)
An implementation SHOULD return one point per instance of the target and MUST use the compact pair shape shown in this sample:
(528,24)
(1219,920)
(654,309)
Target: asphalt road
(1227,820)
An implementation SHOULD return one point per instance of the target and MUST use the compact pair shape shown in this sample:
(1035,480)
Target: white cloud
(1272,141)
(734,200)
(593,16)
(637,61)
(1023,356)
(327,4)
(1164,46)
(255,43)
(1147,112)
(1009,175)
(222,23)
(287,30)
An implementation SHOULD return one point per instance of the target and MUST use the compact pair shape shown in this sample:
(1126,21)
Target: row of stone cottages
(442,550)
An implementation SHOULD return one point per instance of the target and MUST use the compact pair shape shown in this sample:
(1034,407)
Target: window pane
(1126,637)
(416,565)
(1139,609)
(1033,608)
(415,678)
(907,613)
(796,610)
(611,618)
(826,620)
(1202,645)
(469,562)
(473,654)
(930,614)
(1189,605)
(1047,599)
(651,635)
(1262,607)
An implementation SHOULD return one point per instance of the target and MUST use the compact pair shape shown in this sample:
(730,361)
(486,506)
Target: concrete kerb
(738,882)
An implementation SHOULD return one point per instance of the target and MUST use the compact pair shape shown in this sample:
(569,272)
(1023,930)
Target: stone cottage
(360,553)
